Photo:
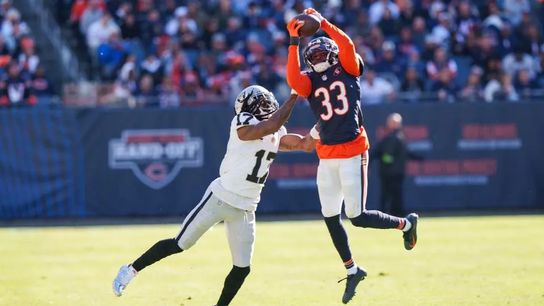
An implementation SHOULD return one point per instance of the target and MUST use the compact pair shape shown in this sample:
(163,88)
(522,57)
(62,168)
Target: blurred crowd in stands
(176,52)
(22,78)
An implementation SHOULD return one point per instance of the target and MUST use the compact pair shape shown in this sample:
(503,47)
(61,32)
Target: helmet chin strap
(321,67)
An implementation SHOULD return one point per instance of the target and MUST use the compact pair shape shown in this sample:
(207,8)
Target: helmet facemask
(320,54)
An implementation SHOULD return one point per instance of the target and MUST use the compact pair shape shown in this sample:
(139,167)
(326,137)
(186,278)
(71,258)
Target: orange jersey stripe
(344,150)
(347,54)
(299,82)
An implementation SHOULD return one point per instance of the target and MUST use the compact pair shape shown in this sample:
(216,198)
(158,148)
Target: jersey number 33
(338,105)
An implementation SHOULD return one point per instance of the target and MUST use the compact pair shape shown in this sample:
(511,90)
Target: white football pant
(240,226)
(343,180)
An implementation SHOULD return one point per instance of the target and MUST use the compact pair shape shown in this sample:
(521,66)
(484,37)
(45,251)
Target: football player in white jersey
(256,135)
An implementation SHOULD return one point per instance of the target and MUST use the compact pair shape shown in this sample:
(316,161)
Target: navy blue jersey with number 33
(335,103)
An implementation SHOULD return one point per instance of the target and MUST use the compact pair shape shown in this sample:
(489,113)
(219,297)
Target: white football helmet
(256,100)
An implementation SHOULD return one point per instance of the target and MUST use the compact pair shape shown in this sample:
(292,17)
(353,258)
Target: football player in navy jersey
(332,88)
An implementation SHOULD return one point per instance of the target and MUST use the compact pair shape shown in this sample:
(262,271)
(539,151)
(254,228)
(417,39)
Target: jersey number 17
(253,176)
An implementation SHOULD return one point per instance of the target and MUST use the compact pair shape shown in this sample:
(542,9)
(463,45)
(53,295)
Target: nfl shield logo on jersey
(156,156)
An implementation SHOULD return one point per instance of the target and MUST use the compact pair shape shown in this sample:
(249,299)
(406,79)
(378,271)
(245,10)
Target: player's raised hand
(294,26)
(315,13)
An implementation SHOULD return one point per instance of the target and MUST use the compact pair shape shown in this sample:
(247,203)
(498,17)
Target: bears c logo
(156,156)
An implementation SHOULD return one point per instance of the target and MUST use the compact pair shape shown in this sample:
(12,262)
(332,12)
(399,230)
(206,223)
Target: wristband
(314,133)
(294,41)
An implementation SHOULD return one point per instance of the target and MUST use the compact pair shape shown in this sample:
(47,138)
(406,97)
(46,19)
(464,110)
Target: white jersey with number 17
(244,168)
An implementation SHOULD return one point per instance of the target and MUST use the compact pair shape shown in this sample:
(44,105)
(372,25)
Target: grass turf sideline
(458,261)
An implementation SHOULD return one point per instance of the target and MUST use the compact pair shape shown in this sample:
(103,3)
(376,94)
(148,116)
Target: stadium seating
(203,49)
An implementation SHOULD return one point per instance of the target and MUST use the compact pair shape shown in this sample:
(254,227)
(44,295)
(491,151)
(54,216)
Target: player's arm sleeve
(299,82)
(247,130)
(349,60)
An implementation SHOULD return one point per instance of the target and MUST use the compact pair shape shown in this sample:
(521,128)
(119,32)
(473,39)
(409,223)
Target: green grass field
(458,261)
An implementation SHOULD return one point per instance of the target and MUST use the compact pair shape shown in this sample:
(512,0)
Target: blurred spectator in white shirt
(153,66)
(494,18)
(500,89)
(435,7)
(5,6)
(28,60)
(378,8)
(13,28)
(181,23)
(92,13)
(441,32)
(519,60)
(375,90)
(514,9)
(101,30)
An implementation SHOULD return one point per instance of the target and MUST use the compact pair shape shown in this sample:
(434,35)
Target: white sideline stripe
(490,144)
(451,180)
(296,183)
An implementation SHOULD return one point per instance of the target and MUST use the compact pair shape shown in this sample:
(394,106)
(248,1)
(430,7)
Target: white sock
(407,226)
(352,270)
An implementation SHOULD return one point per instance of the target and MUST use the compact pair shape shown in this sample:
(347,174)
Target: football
(311,25)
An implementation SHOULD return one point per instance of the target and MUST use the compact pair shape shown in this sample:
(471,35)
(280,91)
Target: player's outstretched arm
(299,82)
(272,125)
(296,142)
(347,55)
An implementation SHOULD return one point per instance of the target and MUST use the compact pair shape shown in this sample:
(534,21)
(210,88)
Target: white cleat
(124,276)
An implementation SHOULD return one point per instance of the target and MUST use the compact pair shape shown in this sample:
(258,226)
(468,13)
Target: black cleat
(351,283)
(410,237)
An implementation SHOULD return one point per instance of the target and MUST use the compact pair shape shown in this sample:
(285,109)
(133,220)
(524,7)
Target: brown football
(311,25)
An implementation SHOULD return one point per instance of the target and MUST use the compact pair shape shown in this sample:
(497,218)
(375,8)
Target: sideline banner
(145,162)
(150,162)
(477,156)
(41,164)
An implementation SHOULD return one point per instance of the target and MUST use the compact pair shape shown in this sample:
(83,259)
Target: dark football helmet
(321,53)
(256,100)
